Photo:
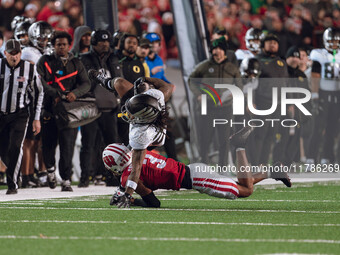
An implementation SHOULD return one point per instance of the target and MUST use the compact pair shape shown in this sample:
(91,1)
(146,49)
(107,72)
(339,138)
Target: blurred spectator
(7,13)
(154,61)
(82,40)
(142,52)
(51,12)
(75,14)
(218,32)
(64,25)
(169,35)
(31,11)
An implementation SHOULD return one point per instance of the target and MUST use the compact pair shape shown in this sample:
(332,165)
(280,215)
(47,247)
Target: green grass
(296,221)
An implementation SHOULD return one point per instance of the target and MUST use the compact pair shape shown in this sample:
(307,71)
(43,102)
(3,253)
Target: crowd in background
(294,21)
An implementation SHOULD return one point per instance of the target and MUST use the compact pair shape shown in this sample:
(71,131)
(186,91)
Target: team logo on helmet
(117,157)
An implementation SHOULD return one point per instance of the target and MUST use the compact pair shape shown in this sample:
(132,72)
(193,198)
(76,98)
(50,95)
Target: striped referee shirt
(16,87)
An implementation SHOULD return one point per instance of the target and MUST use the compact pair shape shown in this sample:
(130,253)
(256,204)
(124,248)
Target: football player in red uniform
(158,172)
(144,109)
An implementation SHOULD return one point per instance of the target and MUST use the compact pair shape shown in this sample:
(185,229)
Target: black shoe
(66,186)
(11,191)
(83,184)
(52,180)
(280,175)
(239,139)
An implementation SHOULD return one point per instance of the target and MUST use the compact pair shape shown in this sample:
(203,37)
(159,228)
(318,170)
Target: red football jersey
(158,172)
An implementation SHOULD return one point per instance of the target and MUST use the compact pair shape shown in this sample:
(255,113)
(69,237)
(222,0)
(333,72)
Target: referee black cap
(12,47)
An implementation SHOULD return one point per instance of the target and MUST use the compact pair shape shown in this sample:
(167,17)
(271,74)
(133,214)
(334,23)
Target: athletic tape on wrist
(131,184)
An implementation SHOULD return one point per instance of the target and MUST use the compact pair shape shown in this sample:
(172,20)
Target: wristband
(131,184)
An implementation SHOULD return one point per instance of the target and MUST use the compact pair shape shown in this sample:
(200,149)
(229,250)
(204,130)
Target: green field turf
(274,220)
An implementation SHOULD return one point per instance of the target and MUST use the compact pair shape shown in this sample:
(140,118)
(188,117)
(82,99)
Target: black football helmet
(250,68)
(141,109)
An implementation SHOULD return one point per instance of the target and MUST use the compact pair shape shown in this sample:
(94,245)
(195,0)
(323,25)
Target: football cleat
(98,77)
(239,139)
(52,180)
(280,175)
(66,186)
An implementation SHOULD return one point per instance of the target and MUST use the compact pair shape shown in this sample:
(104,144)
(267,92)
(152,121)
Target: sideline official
(16,76)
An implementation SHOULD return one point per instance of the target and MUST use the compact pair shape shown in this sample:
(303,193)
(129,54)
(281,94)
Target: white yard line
(172,223)
(176,239)
(168,209)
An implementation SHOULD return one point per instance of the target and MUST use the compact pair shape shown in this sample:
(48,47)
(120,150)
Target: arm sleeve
(316,67)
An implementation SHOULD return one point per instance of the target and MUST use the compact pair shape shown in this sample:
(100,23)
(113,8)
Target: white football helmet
(331,39)
(40,34)
(117,157)
(252,35)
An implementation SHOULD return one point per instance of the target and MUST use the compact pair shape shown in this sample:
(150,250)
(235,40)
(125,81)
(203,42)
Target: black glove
(124,201)
(116,196)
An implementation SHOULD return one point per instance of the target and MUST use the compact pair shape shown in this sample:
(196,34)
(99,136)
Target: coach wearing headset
(102,58)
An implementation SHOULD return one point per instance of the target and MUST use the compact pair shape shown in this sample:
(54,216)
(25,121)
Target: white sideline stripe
(169,209)
(173,223)
(22,203)
(185,239)
(292,254)
(250,200)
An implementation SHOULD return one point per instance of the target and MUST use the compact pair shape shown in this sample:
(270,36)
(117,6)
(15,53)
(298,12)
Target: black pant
(286,145)
(215,137)
(12,133)
(261,140)
(51,137)
(326,122)
(105,126)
